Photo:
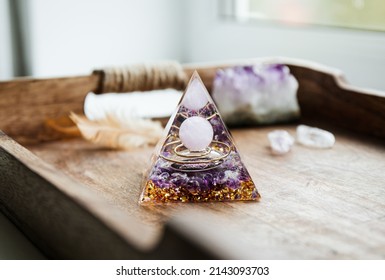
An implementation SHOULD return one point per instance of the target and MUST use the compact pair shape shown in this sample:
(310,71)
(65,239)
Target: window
(358,14)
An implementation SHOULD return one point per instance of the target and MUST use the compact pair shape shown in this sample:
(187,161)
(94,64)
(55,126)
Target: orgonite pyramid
(197,159)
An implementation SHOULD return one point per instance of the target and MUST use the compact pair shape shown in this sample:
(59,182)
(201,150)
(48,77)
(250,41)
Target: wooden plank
(26,103)
(309,208)
(316,204)
(324,95)
(68,221)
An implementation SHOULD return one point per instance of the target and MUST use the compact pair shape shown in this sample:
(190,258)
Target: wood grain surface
(25,104)
(316,204)
(67,220)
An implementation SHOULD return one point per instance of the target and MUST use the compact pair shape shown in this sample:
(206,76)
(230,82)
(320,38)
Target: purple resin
(230,172)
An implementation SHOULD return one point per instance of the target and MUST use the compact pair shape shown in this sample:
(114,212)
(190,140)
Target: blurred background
(46,38)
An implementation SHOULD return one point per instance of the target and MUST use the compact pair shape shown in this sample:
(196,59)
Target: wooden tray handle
(141,77)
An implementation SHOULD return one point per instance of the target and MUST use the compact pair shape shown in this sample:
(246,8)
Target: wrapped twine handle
(141,77)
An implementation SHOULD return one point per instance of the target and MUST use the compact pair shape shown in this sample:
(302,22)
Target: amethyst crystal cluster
(258,94)
(214,174)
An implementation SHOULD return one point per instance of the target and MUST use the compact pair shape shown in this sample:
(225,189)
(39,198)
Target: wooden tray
(75,200)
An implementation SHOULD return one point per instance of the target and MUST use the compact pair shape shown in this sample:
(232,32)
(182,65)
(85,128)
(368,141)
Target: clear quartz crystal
(314,137)
(280,141)
(205,168)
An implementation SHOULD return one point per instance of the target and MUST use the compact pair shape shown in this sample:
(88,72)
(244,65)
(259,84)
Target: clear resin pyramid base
(197,159)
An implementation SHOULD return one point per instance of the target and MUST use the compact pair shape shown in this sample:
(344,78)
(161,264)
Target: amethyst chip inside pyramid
(197,159)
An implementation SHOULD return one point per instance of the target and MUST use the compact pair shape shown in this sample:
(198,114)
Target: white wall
(360,55)
(70,37)
(6,62)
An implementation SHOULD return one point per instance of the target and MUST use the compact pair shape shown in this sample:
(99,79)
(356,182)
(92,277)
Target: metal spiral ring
(201,159)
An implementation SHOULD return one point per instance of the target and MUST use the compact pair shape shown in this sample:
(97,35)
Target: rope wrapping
(141,77)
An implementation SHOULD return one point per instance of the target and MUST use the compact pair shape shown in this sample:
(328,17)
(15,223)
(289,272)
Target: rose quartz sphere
(196,133)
